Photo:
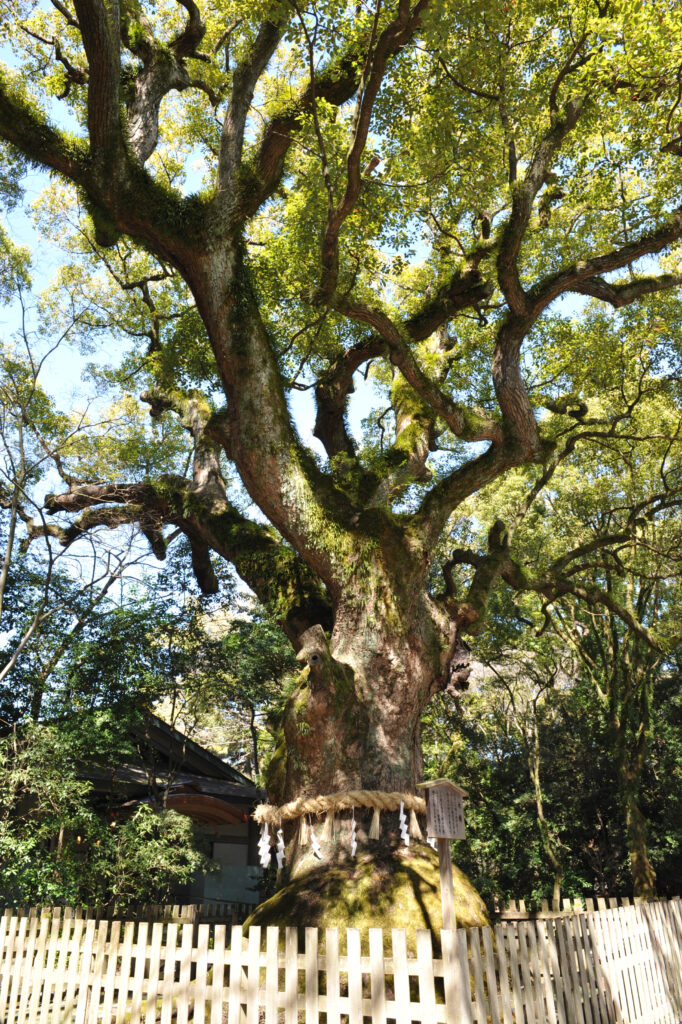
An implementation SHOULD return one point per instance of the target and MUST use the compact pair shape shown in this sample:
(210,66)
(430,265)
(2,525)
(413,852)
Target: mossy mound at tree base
(397,888)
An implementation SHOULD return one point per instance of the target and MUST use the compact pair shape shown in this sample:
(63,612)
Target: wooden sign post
(445,821)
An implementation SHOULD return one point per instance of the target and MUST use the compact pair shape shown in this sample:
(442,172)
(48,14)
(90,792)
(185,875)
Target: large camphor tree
(432,196)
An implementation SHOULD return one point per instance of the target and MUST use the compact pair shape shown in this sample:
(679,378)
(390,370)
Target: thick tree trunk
(353,720)
(631,748)
(549,844)
(643,874)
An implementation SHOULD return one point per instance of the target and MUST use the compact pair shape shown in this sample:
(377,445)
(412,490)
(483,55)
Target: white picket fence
(618,965)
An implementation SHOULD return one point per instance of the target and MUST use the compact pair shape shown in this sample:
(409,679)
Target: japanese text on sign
(445,813)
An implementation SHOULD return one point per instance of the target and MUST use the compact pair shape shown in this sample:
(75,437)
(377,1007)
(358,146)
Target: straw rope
(333,802)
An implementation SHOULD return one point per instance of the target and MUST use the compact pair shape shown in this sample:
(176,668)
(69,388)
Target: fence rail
(519,910)
(617,966)
(215,912)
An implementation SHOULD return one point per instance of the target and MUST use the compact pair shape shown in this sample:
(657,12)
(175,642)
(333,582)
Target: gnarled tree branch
(523,196)
(277,575)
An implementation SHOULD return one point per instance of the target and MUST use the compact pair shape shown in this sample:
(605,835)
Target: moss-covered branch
(26,126)
(584,276)
(272,569)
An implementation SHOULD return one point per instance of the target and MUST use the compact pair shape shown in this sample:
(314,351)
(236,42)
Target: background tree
(527,155)
(59,846)
(626,668)
(47,598)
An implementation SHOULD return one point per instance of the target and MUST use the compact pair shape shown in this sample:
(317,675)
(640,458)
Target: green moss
(277,771)
(344,694)
(387,889)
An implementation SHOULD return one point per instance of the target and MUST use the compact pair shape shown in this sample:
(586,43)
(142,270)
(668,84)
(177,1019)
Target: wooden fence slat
(541,929)
(491,976)
(28,977)
(235,990)
(354,964)
(529,995)
(169,962)
(8,925)
(537,972)
(61,978)
(153,984)
(123,985)
(513,942)
(73,952)
(651,943)
(253,974)
(331,945)
(377,975)
(672,953)
(39,975)
(271,974)
(673,914)
(656,932)
(577,956)
(82,994)
(649,989)
(559,986)
(480,1004)
(290,977)
(505,995)
(50,971)
(617,959)
(23,969)
(451,986)
(109,985)
(513,959)
(624,956)
(311,981)
(665,912)
(401,979)
(584,945)
(674,908)
(19,972)
(647,974)
(427,989)
(463,982)
(568,974)
(183,989)
(201,979)
(218,979)
(140,955)
(605,1003)
(93,973)
(610,959)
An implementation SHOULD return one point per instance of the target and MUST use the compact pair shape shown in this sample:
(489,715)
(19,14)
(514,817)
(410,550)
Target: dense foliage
(479,744)
(61,843)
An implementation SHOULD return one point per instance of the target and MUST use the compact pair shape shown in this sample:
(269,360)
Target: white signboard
(444,813)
